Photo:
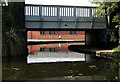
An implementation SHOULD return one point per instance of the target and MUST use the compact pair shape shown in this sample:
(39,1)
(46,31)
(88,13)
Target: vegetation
(117,48)
(112,12)
(11,26)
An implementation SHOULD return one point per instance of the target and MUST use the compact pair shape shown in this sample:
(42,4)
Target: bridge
(62,17)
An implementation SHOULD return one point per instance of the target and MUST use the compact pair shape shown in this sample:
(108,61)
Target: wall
(63,34)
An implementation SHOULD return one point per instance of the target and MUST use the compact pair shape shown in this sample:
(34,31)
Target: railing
(60,11)
(44,16)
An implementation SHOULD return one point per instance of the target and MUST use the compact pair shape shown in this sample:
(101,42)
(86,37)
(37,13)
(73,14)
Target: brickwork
(58,35)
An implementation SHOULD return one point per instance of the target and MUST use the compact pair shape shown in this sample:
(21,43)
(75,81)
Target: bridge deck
(41,16)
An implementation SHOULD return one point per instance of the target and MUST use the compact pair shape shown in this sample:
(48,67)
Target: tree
(111,10)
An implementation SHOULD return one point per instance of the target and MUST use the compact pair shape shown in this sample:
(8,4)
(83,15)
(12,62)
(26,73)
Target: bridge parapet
(44,16)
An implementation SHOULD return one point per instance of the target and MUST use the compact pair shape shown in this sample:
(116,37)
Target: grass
(117,48)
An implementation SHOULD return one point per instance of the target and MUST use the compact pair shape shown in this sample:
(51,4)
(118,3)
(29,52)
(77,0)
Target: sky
(61,2)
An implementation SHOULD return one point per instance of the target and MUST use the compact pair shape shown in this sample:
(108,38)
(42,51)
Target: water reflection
(60,47)
(94,69)
(53,53)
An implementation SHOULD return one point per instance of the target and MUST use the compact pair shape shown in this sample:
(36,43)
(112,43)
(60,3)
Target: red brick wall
(63,34)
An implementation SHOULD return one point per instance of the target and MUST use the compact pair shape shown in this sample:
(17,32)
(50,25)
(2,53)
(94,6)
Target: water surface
(56,62)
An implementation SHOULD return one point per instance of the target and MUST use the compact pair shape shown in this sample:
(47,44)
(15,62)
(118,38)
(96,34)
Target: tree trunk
(119,35)
(119,67)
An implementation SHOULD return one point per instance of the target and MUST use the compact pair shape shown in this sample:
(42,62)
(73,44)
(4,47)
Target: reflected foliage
(116,56)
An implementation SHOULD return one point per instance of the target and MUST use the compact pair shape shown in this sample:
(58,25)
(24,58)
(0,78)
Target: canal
(57,62)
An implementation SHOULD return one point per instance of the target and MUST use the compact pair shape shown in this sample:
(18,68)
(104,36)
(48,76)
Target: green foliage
(117,48)
(116,56)
(117,19)
(113,9)
(106,8)
(112,37)
(101,9)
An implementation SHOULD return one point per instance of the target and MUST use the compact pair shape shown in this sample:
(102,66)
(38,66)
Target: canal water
(57,62)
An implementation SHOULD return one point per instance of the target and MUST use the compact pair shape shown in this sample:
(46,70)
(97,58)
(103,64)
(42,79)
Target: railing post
(91,17)
(31,10)
(58,12)
(40,11)
(69,12)
(48,11)
(75,12)
(40,14)
(75,17)
(90,13)
(63,11)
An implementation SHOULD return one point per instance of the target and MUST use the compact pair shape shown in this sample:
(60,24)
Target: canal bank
(99,51)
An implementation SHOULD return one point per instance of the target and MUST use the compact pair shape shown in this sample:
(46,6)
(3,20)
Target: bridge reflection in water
(53,53)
